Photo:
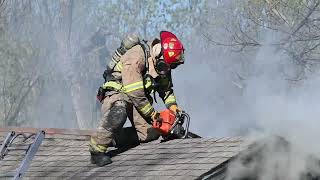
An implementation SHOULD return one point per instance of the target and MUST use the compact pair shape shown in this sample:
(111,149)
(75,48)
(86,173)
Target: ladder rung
(20,146)
(18,149)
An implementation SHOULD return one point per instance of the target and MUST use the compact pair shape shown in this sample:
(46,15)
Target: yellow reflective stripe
(133,86)
(112,84)
(147,109)
(126,89)
(96,146)
(170,99)
(148,83)
(119,66)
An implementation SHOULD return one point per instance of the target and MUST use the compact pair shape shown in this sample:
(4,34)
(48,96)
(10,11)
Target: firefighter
(137,71)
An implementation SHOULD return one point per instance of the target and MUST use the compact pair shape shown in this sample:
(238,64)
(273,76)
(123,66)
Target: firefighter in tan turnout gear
(137,71)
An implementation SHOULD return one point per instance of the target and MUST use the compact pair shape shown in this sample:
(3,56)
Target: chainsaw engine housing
(172,126)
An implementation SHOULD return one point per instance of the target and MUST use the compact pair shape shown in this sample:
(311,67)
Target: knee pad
(117,116)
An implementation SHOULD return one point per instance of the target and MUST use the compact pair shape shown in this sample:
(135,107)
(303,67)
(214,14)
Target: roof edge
(218,172)
(82,132)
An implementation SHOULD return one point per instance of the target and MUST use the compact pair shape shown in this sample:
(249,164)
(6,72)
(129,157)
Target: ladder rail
(31,152)
(6,144)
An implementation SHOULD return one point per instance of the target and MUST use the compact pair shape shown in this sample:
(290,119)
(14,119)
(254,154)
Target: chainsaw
(173,126)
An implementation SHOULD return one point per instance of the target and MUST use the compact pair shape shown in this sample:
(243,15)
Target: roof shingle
(64,155)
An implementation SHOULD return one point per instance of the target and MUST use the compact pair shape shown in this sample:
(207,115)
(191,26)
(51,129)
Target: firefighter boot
(98,155)
(100,158)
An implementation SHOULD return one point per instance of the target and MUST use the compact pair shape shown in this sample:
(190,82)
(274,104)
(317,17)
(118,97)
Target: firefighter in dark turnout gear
(138,70)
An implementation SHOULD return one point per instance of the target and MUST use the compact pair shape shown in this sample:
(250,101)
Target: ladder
(30,152)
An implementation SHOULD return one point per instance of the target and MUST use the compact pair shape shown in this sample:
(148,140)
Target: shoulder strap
(146,50)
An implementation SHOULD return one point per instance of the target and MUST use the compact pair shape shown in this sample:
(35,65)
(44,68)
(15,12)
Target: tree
(59,50)
(247,24)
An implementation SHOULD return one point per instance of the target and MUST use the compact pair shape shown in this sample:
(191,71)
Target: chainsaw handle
(186,117)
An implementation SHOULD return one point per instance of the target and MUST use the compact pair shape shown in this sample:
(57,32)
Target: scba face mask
(162,67)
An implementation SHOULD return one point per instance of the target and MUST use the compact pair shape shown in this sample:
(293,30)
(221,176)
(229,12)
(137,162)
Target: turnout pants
(115,110)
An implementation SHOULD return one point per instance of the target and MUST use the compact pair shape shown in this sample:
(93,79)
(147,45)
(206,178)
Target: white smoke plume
(265,101)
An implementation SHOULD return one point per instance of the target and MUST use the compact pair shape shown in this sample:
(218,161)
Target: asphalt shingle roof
(64,155)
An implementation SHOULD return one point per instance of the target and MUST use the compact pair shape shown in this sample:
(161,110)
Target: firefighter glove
(101,94)
(156,117)
(175,109)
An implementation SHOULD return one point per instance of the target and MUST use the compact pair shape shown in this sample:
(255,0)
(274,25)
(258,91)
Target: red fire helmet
(172,48)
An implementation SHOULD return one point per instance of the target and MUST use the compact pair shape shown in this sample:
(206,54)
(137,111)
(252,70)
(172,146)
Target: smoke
(279,106)
(273,158)
(265,101)
(33,33)
(204,88)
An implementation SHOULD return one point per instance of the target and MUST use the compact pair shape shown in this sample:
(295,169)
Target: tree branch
(17,110)
(304,21)
(276,12)
(2,2)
